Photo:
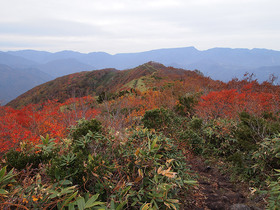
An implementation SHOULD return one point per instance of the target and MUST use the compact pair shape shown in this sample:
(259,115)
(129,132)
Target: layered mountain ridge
(144,77)
(218,63)
(231,62)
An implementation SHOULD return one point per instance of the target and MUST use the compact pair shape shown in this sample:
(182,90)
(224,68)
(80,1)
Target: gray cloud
(44,27)
(136,25)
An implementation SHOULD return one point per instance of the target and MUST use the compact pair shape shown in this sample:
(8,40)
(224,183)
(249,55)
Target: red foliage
(228,103)
(53,118)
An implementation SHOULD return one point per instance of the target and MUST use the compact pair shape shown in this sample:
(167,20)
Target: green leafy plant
(84,126)
(86,202)
(156,170)
(67,160)
(157,119)
(186,105)
(20,160)
(47,146)
(274,192)
(5,179)
(192,140)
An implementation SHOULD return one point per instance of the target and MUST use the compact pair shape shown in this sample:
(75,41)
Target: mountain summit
(144,77)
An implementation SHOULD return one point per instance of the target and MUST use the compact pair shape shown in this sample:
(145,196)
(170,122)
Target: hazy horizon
(69,50)
(125,26)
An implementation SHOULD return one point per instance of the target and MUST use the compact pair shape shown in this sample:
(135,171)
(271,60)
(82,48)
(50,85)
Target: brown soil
(215,191)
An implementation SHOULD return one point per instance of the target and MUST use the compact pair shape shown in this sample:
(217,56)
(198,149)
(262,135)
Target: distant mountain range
(217,63)
(14,81)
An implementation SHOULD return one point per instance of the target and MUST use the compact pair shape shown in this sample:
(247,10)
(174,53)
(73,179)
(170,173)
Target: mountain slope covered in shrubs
(130,140)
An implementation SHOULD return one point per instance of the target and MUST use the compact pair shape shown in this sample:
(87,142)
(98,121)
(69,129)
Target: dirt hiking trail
(215,191)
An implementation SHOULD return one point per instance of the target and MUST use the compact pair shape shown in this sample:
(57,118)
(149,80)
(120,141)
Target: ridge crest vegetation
(111,139)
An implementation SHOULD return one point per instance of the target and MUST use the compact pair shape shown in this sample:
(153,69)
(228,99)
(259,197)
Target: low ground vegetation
(128,151)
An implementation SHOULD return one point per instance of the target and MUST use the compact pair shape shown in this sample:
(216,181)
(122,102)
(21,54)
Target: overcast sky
(117,26)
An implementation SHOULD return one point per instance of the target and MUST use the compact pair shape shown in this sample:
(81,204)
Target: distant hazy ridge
(22,70)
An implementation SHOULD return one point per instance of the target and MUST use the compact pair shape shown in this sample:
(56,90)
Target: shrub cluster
(96,168)
(249,145)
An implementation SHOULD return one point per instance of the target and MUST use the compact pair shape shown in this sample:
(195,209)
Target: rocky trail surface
(215,191)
